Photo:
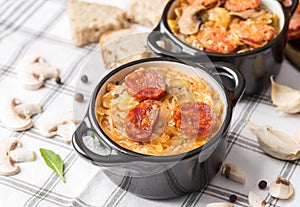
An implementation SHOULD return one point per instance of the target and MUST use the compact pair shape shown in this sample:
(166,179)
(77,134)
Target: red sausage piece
(145,85)
(195,120)
(140,120)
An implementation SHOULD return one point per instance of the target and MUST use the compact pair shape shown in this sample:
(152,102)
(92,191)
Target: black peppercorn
(262,184)
(84,78)
(232,198)
(58,80)
(79,97)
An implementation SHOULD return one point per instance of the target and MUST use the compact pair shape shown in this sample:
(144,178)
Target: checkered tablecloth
(41,27)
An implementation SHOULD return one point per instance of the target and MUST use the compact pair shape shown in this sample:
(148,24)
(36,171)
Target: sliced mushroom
(281,188)
(7,167)
(61,124)
(233,172)
(220,204)
(189,23)
(33,71)
(285,98)
(250,13)
(21,155)
(276,143)
(66,130)
(256,201)
(17,116)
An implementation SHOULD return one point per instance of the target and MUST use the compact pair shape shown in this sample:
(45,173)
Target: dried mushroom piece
(256,201)
(281,188)
(33,71)
(9,155)
(276,143)
(188,23)
(285,98)
(220,204)
(233,172)
(15,115)
(62,125)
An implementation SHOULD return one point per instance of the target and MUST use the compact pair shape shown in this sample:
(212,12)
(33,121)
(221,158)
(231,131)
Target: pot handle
(90,146)
(175,48)
(232,80)
(292,7)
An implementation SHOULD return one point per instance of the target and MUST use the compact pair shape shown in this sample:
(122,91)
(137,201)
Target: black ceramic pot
(160,177)
(257,65)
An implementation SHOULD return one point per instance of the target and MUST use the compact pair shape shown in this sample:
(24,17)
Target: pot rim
(156,158)
(163,22)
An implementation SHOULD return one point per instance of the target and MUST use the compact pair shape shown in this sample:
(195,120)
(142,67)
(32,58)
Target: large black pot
(257,65)
(160,177)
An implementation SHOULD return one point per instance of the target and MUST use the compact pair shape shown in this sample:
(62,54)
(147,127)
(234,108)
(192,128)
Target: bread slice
(110,36)
(120,47)
(89,20)
(147,13)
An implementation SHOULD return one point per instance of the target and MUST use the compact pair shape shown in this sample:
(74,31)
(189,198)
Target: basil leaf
(54,162)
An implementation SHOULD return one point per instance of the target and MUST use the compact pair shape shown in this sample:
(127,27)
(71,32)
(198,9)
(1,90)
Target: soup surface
(159,111)
(224,26)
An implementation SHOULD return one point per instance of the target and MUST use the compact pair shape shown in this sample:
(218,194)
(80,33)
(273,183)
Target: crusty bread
(109,36)
(89,20)
(120,47)
(147,13)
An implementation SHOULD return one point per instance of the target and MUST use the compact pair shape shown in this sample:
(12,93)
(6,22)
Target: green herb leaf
(54,162)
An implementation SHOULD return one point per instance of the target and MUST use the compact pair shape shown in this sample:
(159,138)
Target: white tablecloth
(41,27)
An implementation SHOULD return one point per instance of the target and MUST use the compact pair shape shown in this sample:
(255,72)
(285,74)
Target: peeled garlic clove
(276,143)
(234,173)
(297,135)
(281,188)
(256,201)
(220,204)
(285,98)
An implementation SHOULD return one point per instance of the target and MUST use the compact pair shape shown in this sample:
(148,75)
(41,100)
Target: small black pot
(257,65)
(160,177)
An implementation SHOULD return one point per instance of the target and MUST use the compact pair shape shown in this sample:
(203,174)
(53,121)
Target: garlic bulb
(276,143)
(285,98)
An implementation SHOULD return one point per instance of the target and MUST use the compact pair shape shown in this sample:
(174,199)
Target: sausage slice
(195,119)
(140,120)
(145,85)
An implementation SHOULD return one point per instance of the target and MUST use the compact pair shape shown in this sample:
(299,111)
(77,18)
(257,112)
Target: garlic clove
(233,172)
(256,201)
(281,188)
(285,98)
(297,135)
(276,143)
(220,204)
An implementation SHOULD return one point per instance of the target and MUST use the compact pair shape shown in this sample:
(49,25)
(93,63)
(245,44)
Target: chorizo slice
(241,5)
(194,119)
(254,33)
(140,120)
(214,39)
(294,27)
(145,85)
